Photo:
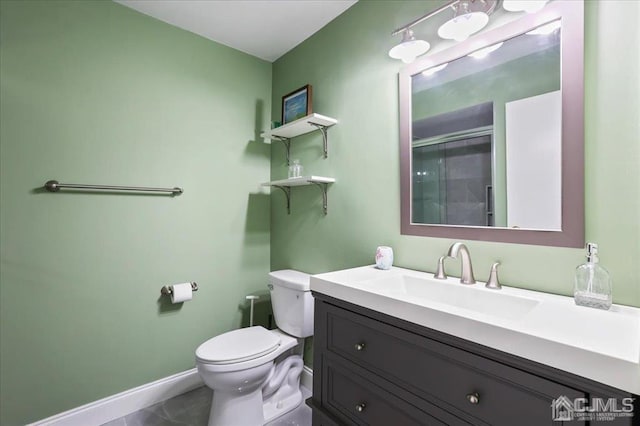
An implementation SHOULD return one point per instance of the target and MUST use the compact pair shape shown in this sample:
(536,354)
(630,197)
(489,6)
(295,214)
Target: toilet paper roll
(181,292)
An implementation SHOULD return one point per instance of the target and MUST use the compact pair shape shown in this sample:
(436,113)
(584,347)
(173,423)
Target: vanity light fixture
(409,48)
(433,70)
(483,53)
(470,16)
(529,6)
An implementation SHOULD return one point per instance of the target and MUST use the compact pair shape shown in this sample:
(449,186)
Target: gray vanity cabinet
(373,369)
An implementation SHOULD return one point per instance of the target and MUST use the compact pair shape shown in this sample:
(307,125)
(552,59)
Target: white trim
(306,378)
(127,402)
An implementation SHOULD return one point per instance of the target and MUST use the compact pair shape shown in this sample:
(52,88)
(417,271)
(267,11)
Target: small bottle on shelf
(295,169)
(593,283)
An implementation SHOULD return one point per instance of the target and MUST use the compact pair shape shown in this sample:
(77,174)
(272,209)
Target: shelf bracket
(287,144)
(323,188)
(323,130)
(287,193)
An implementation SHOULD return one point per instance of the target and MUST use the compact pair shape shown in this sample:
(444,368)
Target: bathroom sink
(546,328)
(453,295)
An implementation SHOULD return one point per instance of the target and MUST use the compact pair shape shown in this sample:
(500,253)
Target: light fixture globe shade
(409,50)
(462,26)
(529,6)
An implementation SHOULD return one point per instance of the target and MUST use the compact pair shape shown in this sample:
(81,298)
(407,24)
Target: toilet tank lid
(289,278)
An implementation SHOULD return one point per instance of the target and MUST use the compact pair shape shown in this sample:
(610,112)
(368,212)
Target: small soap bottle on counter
(593,283)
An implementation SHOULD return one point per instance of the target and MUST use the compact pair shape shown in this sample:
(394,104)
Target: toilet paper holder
(167,289)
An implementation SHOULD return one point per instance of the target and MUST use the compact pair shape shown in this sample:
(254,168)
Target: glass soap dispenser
(593,283)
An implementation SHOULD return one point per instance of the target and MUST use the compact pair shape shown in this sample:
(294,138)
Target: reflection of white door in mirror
(534,161)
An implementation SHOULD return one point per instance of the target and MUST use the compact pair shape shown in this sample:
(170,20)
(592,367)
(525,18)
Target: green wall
(355,81)
(94,92)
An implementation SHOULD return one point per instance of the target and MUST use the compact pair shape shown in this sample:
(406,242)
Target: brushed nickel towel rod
(55,186)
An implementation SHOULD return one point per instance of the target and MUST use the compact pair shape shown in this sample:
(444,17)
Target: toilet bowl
(255,372)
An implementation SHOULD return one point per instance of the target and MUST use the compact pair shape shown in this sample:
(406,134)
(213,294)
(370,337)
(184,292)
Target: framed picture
(296,104)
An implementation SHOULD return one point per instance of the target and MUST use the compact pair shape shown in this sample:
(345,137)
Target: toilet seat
(238,346)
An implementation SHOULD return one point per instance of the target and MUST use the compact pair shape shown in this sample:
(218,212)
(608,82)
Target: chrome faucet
(467,270)
(440,274)
(493,281)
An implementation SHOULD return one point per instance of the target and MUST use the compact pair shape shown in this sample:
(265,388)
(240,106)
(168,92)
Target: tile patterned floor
(192,409)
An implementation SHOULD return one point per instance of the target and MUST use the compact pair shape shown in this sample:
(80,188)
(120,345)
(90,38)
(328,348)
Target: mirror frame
(572,85)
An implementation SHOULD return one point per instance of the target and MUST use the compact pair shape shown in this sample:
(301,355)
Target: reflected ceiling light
(463,24)
(529,6)
(433,70)
(546,29)
(409,48)
(483,53)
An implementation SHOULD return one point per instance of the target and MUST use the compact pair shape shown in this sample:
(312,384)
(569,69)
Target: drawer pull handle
(473,398)
(360,407)
(359,346)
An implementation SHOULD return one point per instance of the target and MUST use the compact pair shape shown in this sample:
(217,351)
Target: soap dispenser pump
(593,283)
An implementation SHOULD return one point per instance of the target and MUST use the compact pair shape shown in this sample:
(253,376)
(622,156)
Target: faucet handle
(493,281)
(440,274)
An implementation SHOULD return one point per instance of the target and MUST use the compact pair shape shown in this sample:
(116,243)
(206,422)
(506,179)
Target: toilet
(255,372)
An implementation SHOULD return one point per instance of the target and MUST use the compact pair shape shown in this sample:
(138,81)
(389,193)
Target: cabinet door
(355,400)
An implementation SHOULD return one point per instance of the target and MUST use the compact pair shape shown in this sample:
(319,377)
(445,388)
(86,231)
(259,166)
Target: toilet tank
(292,302)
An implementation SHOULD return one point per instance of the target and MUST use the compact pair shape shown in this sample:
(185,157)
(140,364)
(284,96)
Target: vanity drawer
(467,385)
(355,400)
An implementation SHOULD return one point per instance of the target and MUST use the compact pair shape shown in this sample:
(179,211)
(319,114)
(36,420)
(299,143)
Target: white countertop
(600,345)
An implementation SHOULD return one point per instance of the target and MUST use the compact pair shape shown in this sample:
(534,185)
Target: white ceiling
(264,28)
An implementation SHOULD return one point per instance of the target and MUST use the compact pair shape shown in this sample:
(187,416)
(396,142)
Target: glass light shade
(529,6)
(546,29)
(433,70)
(409,50)
(483,53)
(462,26)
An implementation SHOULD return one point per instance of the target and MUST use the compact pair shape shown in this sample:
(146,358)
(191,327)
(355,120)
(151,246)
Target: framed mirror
(492,134)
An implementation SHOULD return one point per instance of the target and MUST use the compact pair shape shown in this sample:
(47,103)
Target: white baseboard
(306,378)
(127,402)
(132,400)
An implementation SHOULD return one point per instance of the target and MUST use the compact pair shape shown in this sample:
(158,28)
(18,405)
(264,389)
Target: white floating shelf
(299,127)
(286,184)
(300,181)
